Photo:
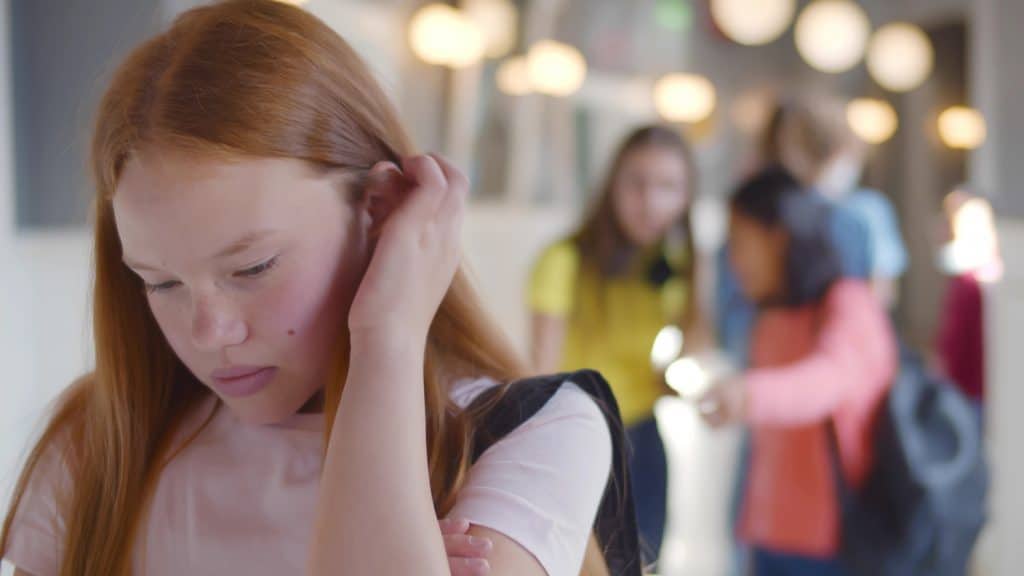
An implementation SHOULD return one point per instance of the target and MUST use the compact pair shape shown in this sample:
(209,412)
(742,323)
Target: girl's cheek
(301,304)
(287,308)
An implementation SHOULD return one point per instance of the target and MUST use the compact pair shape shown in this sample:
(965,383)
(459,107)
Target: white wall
(500,243)
(998,74)
(44,340)
(1005,316)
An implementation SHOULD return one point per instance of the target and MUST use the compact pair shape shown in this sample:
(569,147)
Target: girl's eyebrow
(243,243)
(240,245)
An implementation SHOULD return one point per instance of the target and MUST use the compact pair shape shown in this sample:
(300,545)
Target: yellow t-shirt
(611,324)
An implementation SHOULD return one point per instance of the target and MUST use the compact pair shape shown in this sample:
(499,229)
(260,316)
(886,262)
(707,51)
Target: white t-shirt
(242,499)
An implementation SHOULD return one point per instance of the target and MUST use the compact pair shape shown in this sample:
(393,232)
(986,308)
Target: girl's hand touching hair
(417,213)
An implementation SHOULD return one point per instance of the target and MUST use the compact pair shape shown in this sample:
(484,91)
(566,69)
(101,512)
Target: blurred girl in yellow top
(599,297)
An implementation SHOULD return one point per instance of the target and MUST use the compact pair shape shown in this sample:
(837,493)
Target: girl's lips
(232,372)
(241,381)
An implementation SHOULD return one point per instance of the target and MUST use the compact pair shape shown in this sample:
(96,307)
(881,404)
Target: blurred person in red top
(971,259)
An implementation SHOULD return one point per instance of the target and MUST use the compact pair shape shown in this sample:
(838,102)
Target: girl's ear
(384,189)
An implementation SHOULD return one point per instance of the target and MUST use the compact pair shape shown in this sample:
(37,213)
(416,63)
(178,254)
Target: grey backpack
(924,503)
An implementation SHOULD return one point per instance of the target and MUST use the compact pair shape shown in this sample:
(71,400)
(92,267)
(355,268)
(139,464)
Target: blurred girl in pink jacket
(821,353)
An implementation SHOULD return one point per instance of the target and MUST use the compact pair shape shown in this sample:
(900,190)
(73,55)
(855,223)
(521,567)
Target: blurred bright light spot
(832,35)
(442,35)
(710,222)
(294,2)
(513,77)
(900,57)
(688,378)
(684,97)
(974,224)
(873,121)
(975,244)
(555,68)
(497,20)
(753,22)
(668,344)
(962,128)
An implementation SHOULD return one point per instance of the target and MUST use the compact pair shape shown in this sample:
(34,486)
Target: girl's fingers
(469,566)
(465,546)
(452,207)
(429,182)
(453,526)
(458,183)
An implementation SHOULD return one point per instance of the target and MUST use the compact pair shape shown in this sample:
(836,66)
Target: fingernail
(455,523)
(479,566)
(484,543)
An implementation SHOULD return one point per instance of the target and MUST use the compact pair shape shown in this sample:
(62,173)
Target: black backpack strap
(615,525)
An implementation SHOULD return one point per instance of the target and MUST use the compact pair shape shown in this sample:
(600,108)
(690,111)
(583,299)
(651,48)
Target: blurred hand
(725,403)
(467,555)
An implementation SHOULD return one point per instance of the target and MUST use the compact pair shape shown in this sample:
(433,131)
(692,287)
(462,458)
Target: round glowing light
(962,128)
(688,378)
(555,68)
(753,22)
(974,229)
(497,20)
(442,35)
(513,78)
(900,57)
(873,121)
(684,97)
(975,245)
(832,35)
(667,347)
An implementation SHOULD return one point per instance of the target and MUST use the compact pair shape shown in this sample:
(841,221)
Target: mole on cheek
(291,332)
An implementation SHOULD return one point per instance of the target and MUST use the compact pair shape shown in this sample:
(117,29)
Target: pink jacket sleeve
(855,354)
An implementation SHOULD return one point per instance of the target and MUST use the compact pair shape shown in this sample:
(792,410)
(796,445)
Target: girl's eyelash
(161,287)
(258,269)
(251,272)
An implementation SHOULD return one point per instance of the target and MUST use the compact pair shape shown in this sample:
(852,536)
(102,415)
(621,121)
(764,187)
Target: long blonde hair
(254,78)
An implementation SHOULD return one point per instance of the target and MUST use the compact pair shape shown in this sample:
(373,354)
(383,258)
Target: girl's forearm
(376,514)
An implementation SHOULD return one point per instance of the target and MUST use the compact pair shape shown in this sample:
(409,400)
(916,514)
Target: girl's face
(757,254)
(650,193)
(250,267)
